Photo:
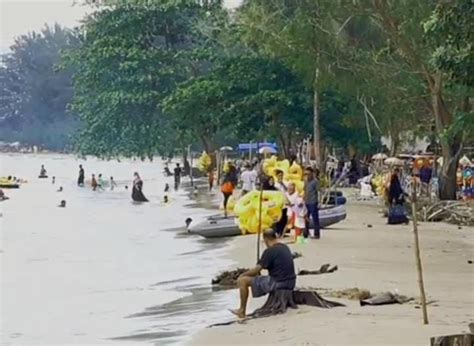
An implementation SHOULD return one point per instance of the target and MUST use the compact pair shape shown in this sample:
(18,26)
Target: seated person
(278,260)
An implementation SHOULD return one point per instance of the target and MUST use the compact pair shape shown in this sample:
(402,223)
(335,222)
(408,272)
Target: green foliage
(451,30)
(35,92)
(133,56)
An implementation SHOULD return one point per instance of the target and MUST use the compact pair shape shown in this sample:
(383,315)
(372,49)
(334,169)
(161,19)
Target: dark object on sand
(384,299)
(62,204)
(325,268)
(218,226)
(9,185)
(280,300)
(397,215)
(453,340)
(228,278)
(42,176)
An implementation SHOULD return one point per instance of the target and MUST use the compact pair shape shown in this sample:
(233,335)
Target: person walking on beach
(80,179)
(210,179)
(228,185)
(177,176)
(248,179)
(278,260)
(280,185)
(311,199)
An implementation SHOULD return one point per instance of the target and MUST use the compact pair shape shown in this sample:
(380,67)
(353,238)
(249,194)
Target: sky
(19,17)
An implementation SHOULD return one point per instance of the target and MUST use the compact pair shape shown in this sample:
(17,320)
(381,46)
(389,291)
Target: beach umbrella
(379,156)
(464,161)
(394,161)
(267,150)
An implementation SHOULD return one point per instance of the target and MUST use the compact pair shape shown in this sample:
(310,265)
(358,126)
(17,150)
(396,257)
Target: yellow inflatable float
(247,209)
(204,162)
(291,174)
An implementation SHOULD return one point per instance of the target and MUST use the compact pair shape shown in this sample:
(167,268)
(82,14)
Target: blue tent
(245,147)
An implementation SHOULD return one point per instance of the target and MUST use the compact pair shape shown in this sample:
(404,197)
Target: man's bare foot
(238,312)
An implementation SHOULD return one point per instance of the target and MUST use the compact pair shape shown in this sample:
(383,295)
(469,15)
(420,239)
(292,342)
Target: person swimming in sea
(62,204)
(43,172)
(165,199)
(60,189)
(53,180)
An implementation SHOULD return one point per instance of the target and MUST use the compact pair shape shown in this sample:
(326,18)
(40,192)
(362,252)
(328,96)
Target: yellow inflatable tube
(248,210)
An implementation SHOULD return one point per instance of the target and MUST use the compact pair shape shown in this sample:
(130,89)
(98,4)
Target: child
(298,219)
(113,184)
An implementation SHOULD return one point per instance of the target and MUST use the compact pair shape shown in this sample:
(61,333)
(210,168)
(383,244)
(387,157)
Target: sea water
(103,269)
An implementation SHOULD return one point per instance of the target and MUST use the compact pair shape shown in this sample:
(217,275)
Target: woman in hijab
(137,194)
(395,192)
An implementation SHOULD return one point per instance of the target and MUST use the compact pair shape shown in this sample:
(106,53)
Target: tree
(302,33)
(401,22)
(252,96)
(35,92)
(134,54)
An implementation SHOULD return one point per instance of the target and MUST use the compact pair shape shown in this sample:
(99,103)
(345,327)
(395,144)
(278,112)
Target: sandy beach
(378,258)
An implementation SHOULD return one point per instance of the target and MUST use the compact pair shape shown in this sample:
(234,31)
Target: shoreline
(378,258)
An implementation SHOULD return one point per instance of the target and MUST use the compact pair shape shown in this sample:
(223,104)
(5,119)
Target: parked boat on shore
(217,226)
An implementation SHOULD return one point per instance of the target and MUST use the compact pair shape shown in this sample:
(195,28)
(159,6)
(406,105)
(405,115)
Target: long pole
(259,220)
(417,254)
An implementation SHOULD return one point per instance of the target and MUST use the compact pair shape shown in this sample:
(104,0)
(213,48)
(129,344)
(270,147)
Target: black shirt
(278,260)
(177,172)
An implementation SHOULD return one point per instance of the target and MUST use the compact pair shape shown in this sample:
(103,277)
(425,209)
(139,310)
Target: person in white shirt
(248,179)
(280,184)
(280,226)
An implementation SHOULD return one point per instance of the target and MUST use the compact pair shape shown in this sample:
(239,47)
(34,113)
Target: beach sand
(378,258)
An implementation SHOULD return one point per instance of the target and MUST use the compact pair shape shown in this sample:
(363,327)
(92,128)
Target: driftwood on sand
(228,278)
(279,301)
(457,212)
(325,268)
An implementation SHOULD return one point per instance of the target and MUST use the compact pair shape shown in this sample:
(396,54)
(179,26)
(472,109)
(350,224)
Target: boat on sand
(217,226)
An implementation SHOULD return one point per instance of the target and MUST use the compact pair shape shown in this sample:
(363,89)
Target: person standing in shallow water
(137,193)
(94,183)
(80,179)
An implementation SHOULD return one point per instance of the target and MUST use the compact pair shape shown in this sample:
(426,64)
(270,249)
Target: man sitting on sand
(278,260)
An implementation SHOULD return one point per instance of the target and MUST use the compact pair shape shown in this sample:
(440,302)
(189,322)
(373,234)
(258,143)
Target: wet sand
(378,258)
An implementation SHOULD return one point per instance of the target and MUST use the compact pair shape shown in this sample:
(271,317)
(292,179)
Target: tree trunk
(450,147)
(316,120)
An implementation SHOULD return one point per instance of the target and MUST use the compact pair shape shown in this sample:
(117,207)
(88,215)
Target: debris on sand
(456,212)
(325,268)
(229,277)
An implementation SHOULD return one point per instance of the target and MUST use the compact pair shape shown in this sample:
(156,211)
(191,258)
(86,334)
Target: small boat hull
(9,186)
(218,226)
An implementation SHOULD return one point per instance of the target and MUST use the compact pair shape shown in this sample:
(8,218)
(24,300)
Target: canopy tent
(255,147)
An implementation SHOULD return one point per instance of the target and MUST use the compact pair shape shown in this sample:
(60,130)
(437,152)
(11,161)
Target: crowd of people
(298,210)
